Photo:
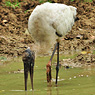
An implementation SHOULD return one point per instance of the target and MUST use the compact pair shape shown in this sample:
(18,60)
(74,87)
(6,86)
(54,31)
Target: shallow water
(72,81)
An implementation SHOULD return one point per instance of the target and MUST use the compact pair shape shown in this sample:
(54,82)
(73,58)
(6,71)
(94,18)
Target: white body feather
(49,18)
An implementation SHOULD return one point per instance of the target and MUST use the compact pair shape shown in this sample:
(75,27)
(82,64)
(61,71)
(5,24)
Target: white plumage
(48,21)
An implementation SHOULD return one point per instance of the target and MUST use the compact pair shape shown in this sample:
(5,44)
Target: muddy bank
(13,28)
(84,59)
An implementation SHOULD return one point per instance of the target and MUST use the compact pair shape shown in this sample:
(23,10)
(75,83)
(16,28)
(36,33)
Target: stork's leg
(31,76)
(48,66)
(57,66)
(25,76)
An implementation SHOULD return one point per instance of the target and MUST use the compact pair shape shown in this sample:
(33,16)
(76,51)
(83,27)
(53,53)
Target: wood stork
(28,60)
(47,23)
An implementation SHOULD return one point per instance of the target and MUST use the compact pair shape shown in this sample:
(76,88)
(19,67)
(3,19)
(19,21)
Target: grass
(16,3)
(43,1)
(88,0)
(93,51)
(10,82)
(13,5)
(83,0)
(3,58)
(26,11)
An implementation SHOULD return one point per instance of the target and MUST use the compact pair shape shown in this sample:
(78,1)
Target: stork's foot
(48,72)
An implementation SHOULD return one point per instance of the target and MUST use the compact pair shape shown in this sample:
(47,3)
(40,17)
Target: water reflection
(57,91)
(49,90)
(32,92)
(26,93)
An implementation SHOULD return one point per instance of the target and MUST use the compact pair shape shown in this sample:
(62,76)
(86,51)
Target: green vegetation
(88,0)
(83,0)
(16,3)
(3,58)
(13,5)
(13,83)
(43,1)
(26,11)
(72,0)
